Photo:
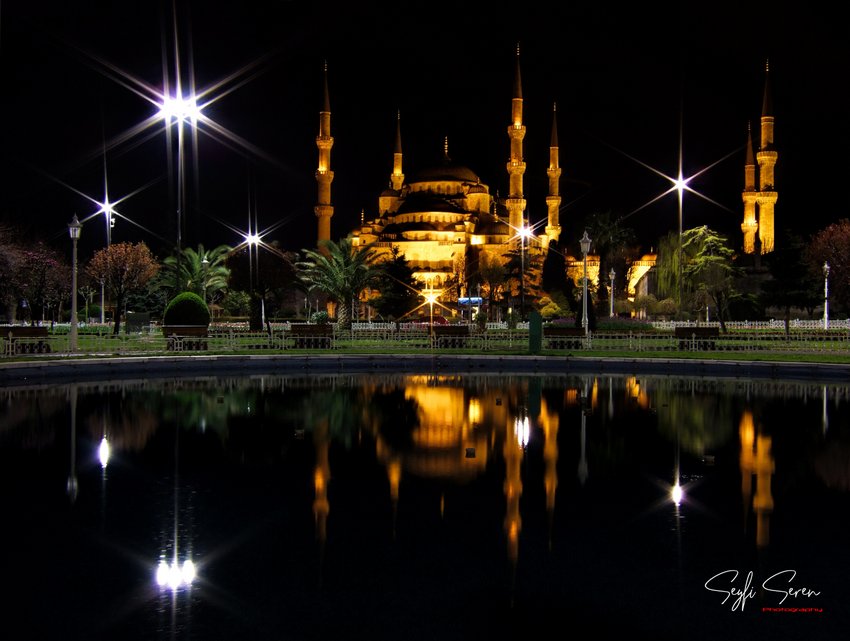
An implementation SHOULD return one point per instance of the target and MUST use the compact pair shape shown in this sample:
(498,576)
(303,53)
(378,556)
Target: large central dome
(446,171)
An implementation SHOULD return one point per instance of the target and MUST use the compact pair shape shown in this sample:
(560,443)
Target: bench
(312,336)
(25,339)
(186,338)
(563,337)
(450,336)
(697,338)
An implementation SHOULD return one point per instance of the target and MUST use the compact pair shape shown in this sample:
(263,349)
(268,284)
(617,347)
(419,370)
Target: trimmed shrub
(320,318)
(186,308)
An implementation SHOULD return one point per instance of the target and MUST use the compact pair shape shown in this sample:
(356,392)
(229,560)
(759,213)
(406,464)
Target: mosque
(446,222)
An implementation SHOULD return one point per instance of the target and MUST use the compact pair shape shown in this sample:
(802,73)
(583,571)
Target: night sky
(627,80)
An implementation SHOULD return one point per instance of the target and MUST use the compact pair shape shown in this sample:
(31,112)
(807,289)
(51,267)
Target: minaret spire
(750,196)
(397,177)
(515,202)
(324,176)
(553,200)
(766,158)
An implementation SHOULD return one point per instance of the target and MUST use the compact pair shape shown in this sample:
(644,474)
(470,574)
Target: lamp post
(524,232)
(206,264)
(431,296)
(585,247)
(611,276)
(74,228)
(825,295)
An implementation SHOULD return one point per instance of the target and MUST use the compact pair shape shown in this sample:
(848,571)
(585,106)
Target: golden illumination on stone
(756,459)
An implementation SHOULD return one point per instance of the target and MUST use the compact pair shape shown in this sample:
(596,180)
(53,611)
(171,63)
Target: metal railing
(375,337)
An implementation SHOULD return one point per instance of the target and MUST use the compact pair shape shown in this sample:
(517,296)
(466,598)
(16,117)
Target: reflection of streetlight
(825,295)
(584,403)
(72,485)
(611,276)
(74,228)
(585,247)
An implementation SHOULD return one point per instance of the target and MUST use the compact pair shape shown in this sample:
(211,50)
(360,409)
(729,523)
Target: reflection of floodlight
(173,575)
(103,452)
(677,494)
(522,430)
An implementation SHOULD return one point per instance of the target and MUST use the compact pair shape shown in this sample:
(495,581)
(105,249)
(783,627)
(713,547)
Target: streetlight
(206,264)
(431,297)
(611,276)
(74,228)
(825,295)
(585,247)
(524,232)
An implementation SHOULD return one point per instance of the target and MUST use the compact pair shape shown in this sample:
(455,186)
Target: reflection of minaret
(394,475)
(747,434)
(756,458)
(549,421)
(513,451)
(763,500)
(321,476)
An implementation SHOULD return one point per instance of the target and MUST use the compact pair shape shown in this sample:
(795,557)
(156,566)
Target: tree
(708,269)
(42,279)
(202,271)
(10,268)
(791,283)
(492,272)
(125,269)
(261,271)
(832,245)
(399,290)
(612,242)
(554,279)
(667,267)
(339,270)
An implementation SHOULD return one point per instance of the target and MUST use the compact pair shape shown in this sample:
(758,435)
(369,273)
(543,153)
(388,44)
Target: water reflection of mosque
(463,424)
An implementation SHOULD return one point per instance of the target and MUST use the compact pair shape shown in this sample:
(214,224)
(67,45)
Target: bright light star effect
(173,576)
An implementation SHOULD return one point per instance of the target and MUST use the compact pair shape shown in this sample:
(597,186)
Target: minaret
(553,200)
(750,196)
(516,166)
(397,177)
(324,176)
(766,158)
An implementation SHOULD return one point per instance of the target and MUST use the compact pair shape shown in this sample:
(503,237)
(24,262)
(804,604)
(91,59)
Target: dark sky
(627,79)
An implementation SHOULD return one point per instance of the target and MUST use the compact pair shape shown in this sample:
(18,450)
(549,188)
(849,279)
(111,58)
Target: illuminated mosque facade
(443,219)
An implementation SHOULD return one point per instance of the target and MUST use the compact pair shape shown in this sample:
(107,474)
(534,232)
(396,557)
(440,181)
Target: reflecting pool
(422,507)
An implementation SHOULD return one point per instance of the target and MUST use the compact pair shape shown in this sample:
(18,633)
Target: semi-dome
(424,202)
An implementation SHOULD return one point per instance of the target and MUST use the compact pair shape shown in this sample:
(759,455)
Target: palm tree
(203,272)
(339,270)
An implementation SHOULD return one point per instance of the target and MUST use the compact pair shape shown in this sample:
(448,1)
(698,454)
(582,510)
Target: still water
(426,507)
